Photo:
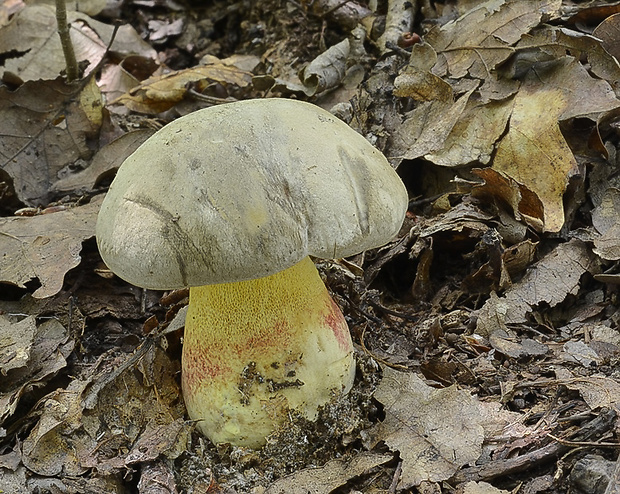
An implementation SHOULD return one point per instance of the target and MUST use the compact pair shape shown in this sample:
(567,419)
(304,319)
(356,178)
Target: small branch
(65,40)
(399,20)
(501,468)
(587,444)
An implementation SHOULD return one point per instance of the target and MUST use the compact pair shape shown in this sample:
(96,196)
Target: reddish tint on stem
(335,320)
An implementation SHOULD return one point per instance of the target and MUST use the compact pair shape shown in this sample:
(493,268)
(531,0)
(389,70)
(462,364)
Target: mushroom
(231,201)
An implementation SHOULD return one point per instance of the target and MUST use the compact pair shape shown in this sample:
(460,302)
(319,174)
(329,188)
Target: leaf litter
(487,332)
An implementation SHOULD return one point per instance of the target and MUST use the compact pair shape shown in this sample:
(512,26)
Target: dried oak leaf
(597,391)
(104,164)
(482,38)
(555,42)
(48,450)
(606,221)
(550,280)
(111,418)
(158,478)
(436,431)
(418,82)
(45,126)
(472,139)
(479,488)
(426,128)
(14,479)
(162,92)
(533,158)
(333,474)
(515,347)
(33,34)
(608,32)
(30,355)
(46,246)
(15,342)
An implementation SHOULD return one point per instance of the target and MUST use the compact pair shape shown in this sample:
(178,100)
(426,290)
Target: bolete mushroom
(231,201)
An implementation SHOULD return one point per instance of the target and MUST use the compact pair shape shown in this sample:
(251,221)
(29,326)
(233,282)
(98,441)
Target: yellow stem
(255,349)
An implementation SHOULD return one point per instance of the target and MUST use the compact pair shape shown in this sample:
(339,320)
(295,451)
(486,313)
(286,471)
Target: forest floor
(486,334)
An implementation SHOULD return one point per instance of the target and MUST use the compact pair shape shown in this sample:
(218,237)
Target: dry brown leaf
(160,93)
(436,431)
(47,349)
(339,65)
(158,440)
(480,488)
(325,479)
(521,199)
(606,221)
(117,79)
(535,147)
(465,216)
(426,128)
(554,42)
(597,391)
(16,341)
(554,277)
(48,448)
(481,39)
(45,247)
(579,352)
(473,137)
(44,348)
(608,32)
(14,480)
(99,420)
(519,256)
(328,69)
(90,7)
(19,480)
(33,33)
(418,82)
(158,478)
(422,86)
(448,134)
(516,347)
(45,126)
(104,164)
(346,15)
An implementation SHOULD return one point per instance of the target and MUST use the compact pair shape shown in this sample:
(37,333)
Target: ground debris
(486,333)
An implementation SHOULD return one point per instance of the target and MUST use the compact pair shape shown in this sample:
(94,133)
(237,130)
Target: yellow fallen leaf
(533,158)
(534,152)
(160,93)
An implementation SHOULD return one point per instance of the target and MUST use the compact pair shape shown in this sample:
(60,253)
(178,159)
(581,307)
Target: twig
(577,444)
(210,99)
(500,468)
(398,20)
(65,40)
(391,312)
(396,478)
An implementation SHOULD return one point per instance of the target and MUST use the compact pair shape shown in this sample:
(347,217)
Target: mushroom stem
(253,350)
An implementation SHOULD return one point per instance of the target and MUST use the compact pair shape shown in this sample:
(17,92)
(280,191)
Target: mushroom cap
(244,190)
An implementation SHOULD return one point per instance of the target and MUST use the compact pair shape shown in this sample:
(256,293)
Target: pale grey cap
(244,190)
